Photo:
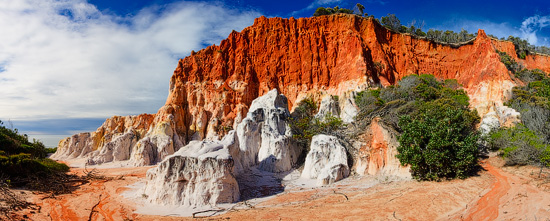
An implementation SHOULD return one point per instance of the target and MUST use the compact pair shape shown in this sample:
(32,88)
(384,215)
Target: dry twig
(216,211)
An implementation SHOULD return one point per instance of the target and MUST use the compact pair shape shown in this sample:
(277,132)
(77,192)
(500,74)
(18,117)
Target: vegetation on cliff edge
(437,137)
(523,48)
(529,142)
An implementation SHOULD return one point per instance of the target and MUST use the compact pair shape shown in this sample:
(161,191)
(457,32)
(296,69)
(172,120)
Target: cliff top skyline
(67,65)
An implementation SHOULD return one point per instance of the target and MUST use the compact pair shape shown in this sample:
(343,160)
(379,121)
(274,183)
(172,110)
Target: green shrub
(439,142)
(329,11)
(509,62)
(24,163)
(520,146)
(533,102)
(304,125)
(438,137)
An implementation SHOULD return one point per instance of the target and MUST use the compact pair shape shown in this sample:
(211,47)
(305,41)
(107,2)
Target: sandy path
(499,193)
(97,200)
(516,194)
(487,207)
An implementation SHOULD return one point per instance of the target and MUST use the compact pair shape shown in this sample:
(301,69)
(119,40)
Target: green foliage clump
(449,36)
(394,101)
(439,141)
(330,11)
(509,62)
(533,102)
(305,125)
(519,71)
(520,146)
(526,143)
(438,137)
(523,48)
(521,45)
(391,22)
(24,162)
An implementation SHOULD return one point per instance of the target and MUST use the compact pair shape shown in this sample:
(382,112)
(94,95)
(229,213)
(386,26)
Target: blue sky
(66,65)
(501,18)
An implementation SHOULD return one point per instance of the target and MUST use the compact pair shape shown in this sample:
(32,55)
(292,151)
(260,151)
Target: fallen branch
(93,208)
(206,211)
(10,201)
(340,194)
(395,216)
(247,204)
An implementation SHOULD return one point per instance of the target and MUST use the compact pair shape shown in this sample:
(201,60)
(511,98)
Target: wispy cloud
(319,3)
(498,29)
(331,3)
(67,59)
(533,24)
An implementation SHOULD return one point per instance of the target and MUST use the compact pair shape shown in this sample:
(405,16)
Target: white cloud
(332,3)
(67,59)
(531,25)
(315,4)
(503,29)
(318,3)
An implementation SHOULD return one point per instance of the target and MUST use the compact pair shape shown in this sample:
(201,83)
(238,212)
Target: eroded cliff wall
(212,89)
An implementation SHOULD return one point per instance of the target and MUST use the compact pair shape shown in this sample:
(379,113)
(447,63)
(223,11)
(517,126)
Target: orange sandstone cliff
(212,89)
(329,53)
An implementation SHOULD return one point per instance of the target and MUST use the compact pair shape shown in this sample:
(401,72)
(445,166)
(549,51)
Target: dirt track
(487,207)
(517,193)
(509,193)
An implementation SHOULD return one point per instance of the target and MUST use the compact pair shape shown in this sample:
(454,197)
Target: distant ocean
(50,140)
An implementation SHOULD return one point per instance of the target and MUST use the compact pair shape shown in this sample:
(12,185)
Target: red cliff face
(211,90)
(336,53)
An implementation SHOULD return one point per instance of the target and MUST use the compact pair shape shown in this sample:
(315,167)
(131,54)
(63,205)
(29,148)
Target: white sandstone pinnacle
(328,106)
(203,172)
(200,174)
(326,161)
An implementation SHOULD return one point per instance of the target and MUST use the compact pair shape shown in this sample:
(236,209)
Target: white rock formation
(203,172)
(499,116)
(348,109)
(489,122)
(118,149)
(326,161)
(157,144)
(508,117)
(265,137)
(328,106)
(200,174)
(78,145)
(114,140)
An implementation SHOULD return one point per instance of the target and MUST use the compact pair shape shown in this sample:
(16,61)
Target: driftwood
(216,211)
(93,208)
(10,202)
(334,191)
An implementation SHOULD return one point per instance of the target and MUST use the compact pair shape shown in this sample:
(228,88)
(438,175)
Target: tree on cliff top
(329,11)
(391,22)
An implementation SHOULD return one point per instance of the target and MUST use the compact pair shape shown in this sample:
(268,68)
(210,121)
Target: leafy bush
(305,125)
(438,137)
(520,146)
(526,143)
(509,62)
(23,162)
(533,102)
(394,101)
(439,141)
(329,11)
